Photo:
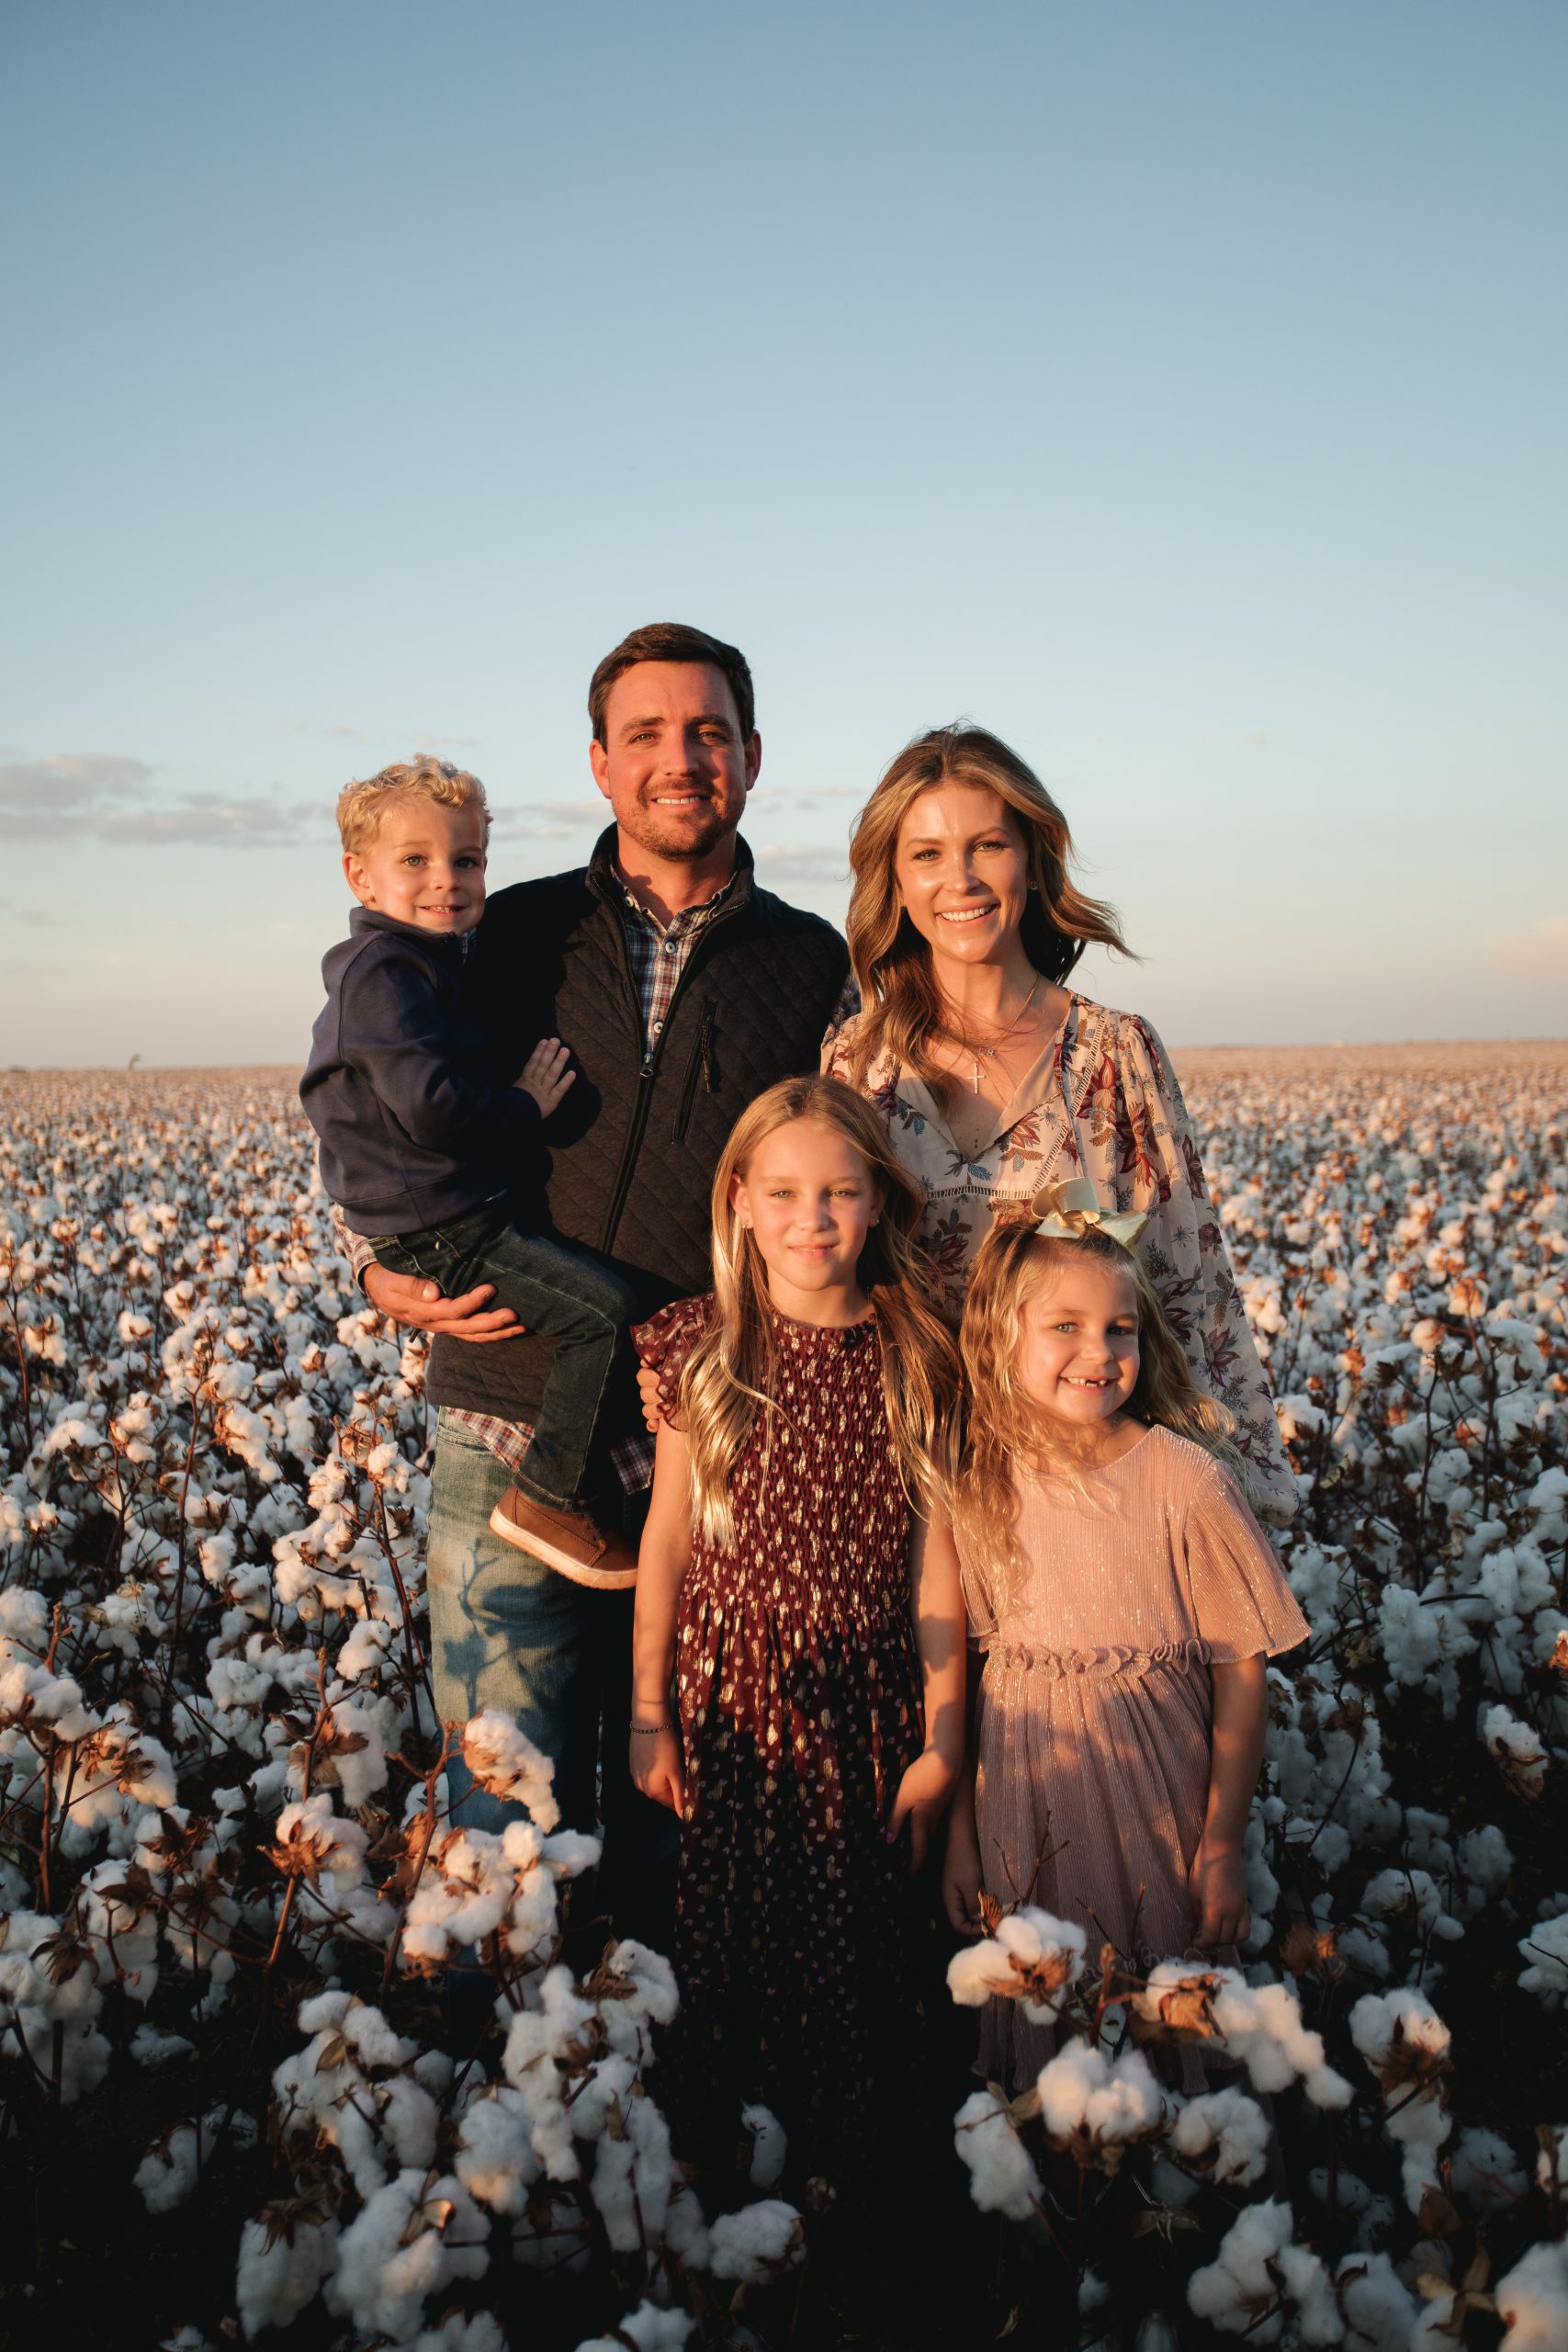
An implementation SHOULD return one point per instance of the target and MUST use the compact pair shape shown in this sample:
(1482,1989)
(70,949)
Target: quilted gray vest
(633,1148)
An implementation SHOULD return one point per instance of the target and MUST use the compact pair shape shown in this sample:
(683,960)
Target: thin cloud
(550,821)
(461,743)
(97,798)
(69,779)
(803,863)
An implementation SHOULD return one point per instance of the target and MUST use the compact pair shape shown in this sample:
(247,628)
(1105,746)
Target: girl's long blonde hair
(903,1005)
(1005,1427)
(731,1374)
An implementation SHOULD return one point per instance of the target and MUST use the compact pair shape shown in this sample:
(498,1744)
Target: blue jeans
(564,1295)
(509,1632)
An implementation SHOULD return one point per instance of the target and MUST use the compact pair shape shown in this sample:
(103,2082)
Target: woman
(995,1077)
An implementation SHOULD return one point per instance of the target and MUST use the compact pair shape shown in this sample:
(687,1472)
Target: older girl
(994,1076)
(798,1650)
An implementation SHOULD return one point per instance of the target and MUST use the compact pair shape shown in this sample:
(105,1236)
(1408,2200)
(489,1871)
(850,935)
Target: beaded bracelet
(647,1731)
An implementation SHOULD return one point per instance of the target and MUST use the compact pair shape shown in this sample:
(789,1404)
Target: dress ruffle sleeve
(1184,1249)
(1241,1603)
(665,1342)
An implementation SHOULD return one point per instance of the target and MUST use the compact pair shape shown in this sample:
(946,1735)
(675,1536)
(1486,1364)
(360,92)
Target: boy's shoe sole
(569,1542)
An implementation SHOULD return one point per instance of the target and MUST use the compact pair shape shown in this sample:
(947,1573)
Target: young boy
(419,1146)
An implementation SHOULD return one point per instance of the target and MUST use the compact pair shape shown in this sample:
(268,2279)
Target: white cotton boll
(649,2328)
(506,1762)
(633,2175)
(1231,2124)
(409,2118)
(1379,2308)
(1546,1949)
(1261,2025)
(770,2146)
(461,2331)
(1532,2300)
(1412,1895)
(1002,2179)
(686,2229)
(496,2159)
(412,2238)
(1515,1748)
(1080,2090)
(1031,1957)
(1092,2293)
(1361,1947)
(1484,1858)
(1382,2022)
(365,1651)
(169,2171)
(149,2046)
(755,2242)
(1234,2289)
(279,2275)
(569,1852)
(648,1976)
(1486,2173)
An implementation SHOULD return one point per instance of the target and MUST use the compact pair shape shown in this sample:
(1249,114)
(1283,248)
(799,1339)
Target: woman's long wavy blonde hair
(731,1374)
(1014,1264)
(903,1005)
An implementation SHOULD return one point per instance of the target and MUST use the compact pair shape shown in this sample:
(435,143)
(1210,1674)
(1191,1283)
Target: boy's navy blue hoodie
(413,1130)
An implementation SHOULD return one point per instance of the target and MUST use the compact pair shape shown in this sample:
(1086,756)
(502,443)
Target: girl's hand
(1217,1884)
(544,1074)
(655,1764)
(961,1876)
(922,1794)
(647,1391)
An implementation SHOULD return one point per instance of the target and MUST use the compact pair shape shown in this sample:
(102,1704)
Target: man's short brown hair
(673,641)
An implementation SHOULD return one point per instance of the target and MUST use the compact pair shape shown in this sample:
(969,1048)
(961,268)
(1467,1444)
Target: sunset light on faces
(810,1199)
(1078,1354)
(674,766)
(425,866)
(962,871)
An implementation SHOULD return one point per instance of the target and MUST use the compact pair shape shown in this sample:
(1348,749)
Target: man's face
(674,766)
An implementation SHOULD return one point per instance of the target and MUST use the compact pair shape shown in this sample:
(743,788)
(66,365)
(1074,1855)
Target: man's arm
(408,1298)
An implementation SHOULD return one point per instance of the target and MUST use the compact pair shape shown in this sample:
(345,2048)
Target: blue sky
(1176,389)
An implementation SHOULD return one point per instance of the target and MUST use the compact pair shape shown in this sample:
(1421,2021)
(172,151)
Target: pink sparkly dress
(1092,1728)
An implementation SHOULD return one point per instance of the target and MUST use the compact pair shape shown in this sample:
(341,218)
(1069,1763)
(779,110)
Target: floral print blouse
(1103,1102)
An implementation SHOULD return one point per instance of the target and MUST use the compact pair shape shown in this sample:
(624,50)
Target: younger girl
(813,1638)
(1125,1599)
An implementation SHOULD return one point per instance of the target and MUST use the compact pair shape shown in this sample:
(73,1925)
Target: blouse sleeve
(1241,1603)
(664,1344)
(1185,1252)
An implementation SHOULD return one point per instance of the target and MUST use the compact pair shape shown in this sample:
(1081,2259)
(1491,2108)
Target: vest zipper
(701,1064)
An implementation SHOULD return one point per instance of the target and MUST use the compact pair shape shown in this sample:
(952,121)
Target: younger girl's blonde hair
(361,808)
(1015,1263)
(731,1374)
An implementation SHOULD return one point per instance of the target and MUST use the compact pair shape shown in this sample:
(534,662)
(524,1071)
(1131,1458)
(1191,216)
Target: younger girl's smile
(1079,1343)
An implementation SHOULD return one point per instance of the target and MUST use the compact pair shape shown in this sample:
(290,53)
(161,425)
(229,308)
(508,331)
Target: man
(684,990)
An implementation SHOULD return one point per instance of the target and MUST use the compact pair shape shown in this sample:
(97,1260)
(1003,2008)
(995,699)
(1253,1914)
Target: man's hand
(544,1074)
(648,1397)
(408,1298)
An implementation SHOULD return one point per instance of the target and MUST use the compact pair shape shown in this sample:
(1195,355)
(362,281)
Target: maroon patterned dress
(798,1939)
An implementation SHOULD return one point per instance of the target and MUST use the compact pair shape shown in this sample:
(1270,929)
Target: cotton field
(233,2103)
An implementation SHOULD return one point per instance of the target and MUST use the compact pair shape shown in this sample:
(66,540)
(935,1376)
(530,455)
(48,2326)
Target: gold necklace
(976,1046)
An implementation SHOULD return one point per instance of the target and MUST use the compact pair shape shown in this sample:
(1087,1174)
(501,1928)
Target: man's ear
(357,874)
(599,761)
(753,758)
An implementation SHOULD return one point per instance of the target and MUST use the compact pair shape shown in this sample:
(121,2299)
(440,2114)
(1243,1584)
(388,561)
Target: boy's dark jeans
(551,1288)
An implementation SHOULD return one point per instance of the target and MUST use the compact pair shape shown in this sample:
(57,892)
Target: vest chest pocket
(701,1065)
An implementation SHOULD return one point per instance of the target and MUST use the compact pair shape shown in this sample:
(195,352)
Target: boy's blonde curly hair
(362,806)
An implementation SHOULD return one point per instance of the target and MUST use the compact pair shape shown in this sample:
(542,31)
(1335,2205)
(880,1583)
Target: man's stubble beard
(681,844)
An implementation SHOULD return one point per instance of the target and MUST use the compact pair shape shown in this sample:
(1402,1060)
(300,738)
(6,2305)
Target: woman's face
(961,871)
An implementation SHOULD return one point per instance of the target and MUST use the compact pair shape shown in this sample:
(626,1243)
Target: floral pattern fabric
(799,1685)
(1106,1106)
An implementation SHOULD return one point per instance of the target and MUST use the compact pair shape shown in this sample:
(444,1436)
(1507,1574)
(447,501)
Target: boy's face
(426,866)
